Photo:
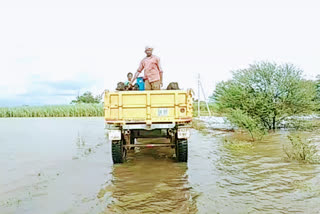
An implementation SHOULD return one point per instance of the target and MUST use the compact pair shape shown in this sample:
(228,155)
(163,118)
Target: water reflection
(151,181)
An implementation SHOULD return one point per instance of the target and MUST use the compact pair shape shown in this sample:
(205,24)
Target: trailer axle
(150,145)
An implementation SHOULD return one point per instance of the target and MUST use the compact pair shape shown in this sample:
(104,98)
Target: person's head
(129,75)
(148,50)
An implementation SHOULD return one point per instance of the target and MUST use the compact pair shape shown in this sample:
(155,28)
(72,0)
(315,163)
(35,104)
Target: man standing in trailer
(152,71)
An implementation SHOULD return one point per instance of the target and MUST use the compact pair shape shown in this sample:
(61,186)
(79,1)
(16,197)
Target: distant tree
(317,83)
(265,94)
(87,97)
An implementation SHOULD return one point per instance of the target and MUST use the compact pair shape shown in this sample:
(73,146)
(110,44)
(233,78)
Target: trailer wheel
(132,140)
(119,153)
(182,150)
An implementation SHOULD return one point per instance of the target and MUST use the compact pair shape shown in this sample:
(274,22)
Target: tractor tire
(182,150)
(119,153)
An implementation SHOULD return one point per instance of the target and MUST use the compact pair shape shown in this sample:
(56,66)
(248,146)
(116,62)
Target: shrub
(301,150)
(244,121)
(265,94)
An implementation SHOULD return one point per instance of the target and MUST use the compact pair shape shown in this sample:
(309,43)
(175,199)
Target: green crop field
(78,110)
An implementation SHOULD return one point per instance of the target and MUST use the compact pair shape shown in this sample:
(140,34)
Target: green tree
(266,94)
(317,83)
(87,97)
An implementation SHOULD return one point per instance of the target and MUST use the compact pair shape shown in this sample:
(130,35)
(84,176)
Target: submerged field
(77,110)
(63,165)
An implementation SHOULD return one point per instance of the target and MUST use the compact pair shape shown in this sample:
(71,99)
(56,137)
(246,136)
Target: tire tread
(182,150)
(117,155)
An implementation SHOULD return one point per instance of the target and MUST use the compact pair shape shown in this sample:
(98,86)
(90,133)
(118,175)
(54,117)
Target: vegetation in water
(78,110)
(199,125)
(244,121)
(262,96)
(85,105)
(236,144)
(301,149)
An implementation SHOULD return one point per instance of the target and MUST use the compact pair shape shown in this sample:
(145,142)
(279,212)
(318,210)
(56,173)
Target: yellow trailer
(148,114)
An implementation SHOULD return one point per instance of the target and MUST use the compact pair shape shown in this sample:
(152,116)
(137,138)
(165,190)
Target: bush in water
(301,150)
(265,94)
(244,121)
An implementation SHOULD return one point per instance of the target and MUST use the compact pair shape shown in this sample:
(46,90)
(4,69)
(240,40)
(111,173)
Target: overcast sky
(52,50)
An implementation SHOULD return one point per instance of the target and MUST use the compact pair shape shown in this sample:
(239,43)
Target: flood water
(64,165)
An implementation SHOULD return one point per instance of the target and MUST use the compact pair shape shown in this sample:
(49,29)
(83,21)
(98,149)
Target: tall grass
(78,110)
(203,109)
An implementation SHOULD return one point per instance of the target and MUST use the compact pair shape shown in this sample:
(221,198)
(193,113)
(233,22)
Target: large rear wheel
(119,153)
(182,150)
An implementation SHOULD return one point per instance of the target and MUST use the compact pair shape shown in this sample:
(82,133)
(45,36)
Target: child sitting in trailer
(125,86)
(129,76)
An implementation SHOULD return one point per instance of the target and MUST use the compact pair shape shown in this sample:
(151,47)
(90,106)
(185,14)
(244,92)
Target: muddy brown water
(63,165)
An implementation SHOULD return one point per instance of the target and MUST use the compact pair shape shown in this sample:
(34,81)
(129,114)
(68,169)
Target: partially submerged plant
(244,121)
(301,150)
(199,125)
(237,144)
(264,95)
